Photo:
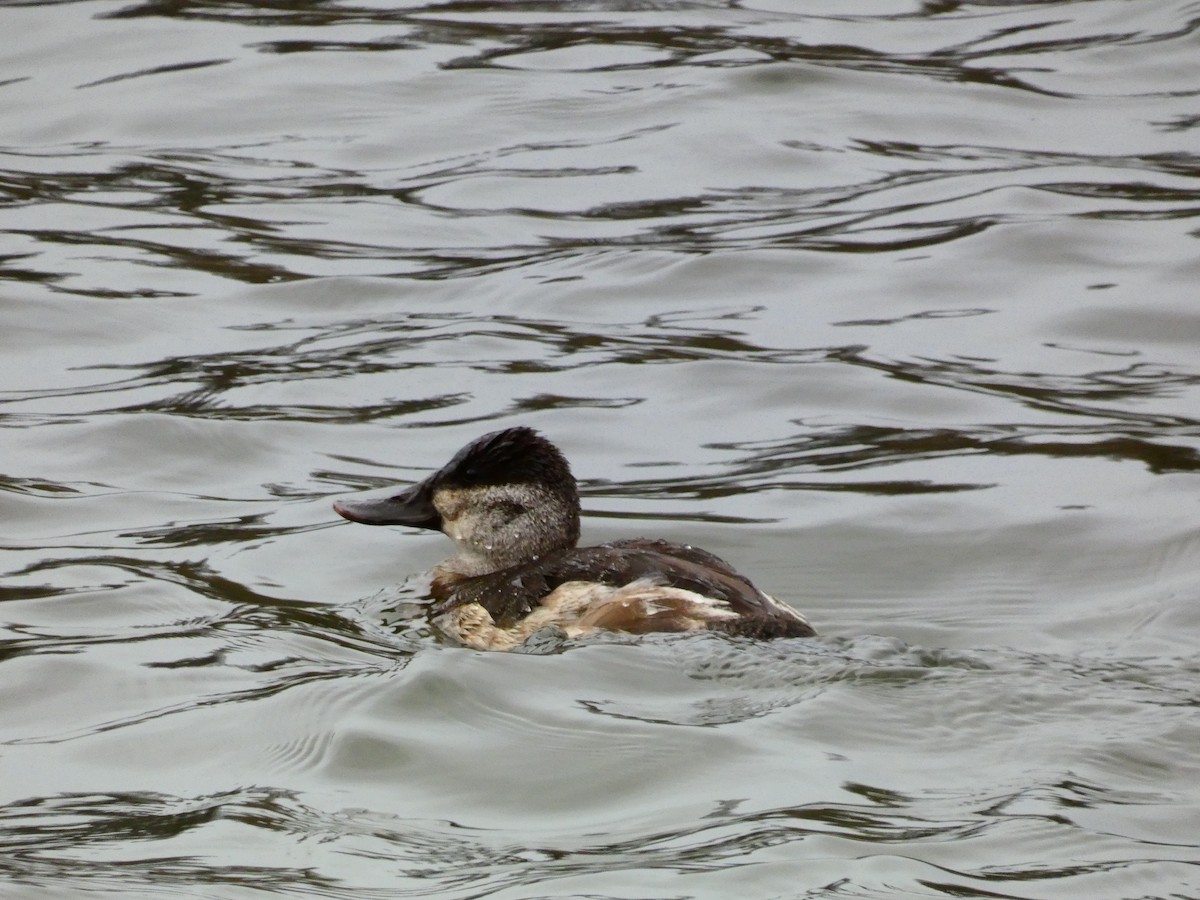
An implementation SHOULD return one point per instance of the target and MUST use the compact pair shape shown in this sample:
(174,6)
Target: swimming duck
(509,502)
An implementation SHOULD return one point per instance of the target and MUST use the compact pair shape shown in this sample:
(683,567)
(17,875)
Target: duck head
(506,498)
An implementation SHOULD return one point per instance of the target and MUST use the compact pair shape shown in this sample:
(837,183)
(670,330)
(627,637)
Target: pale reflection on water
(892,307)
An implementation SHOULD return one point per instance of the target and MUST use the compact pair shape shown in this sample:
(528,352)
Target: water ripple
(899,297)
(50,838)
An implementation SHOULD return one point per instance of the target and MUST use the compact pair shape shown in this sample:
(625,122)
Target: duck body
(510,503)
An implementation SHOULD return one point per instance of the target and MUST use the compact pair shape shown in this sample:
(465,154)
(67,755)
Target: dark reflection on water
(430,857)
(269,649)
(674,47)
(50,840)
(894,307)
(157,839)
(244,198)
(1111,402)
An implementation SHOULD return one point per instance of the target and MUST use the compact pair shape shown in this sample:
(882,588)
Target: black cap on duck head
(513,456)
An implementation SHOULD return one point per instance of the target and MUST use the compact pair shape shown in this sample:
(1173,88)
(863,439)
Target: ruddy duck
(510,503)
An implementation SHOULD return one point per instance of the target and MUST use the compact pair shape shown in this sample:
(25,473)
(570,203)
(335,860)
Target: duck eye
(511,508)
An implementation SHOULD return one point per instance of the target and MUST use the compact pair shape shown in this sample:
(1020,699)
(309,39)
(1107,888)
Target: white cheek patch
(461,511)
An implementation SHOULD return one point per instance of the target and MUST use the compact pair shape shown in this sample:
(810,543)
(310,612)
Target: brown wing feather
(511,594)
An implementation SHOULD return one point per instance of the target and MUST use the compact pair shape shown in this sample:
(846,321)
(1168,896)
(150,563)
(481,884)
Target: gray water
(891,304)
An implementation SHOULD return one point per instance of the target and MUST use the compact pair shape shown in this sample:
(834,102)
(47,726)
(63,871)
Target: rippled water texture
(894,305)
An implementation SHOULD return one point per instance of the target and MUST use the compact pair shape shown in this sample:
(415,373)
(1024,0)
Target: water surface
(892,306)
